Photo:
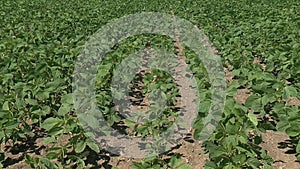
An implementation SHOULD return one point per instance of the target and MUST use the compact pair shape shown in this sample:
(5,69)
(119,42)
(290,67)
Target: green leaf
(239,159)
(242,139)
(64,109)
(253,162)
(47,163)
(177,163)
(136,165)
(67,99)
(298,147)
(31,102)
(80,146)
(55,131)
(81,163)
(294,129)
(46,110)
(5,106)
(254,102)
(267,99)
(282,125)
(93,146)
(42,95)
(289,91)
(4,114)
(204,106)
(229,166)
(49,140)
(252,117)
(13,124)
(130,123)
(50,123)
(210,165)
(52,155)
(90,120)
(2,134)
(267,166)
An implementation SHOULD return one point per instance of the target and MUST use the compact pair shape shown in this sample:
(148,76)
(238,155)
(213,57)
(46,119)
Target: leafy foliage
(39,42)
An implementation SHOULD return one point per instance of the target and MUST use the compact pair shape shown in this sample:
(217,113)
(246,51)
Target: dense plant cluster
(257,40)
